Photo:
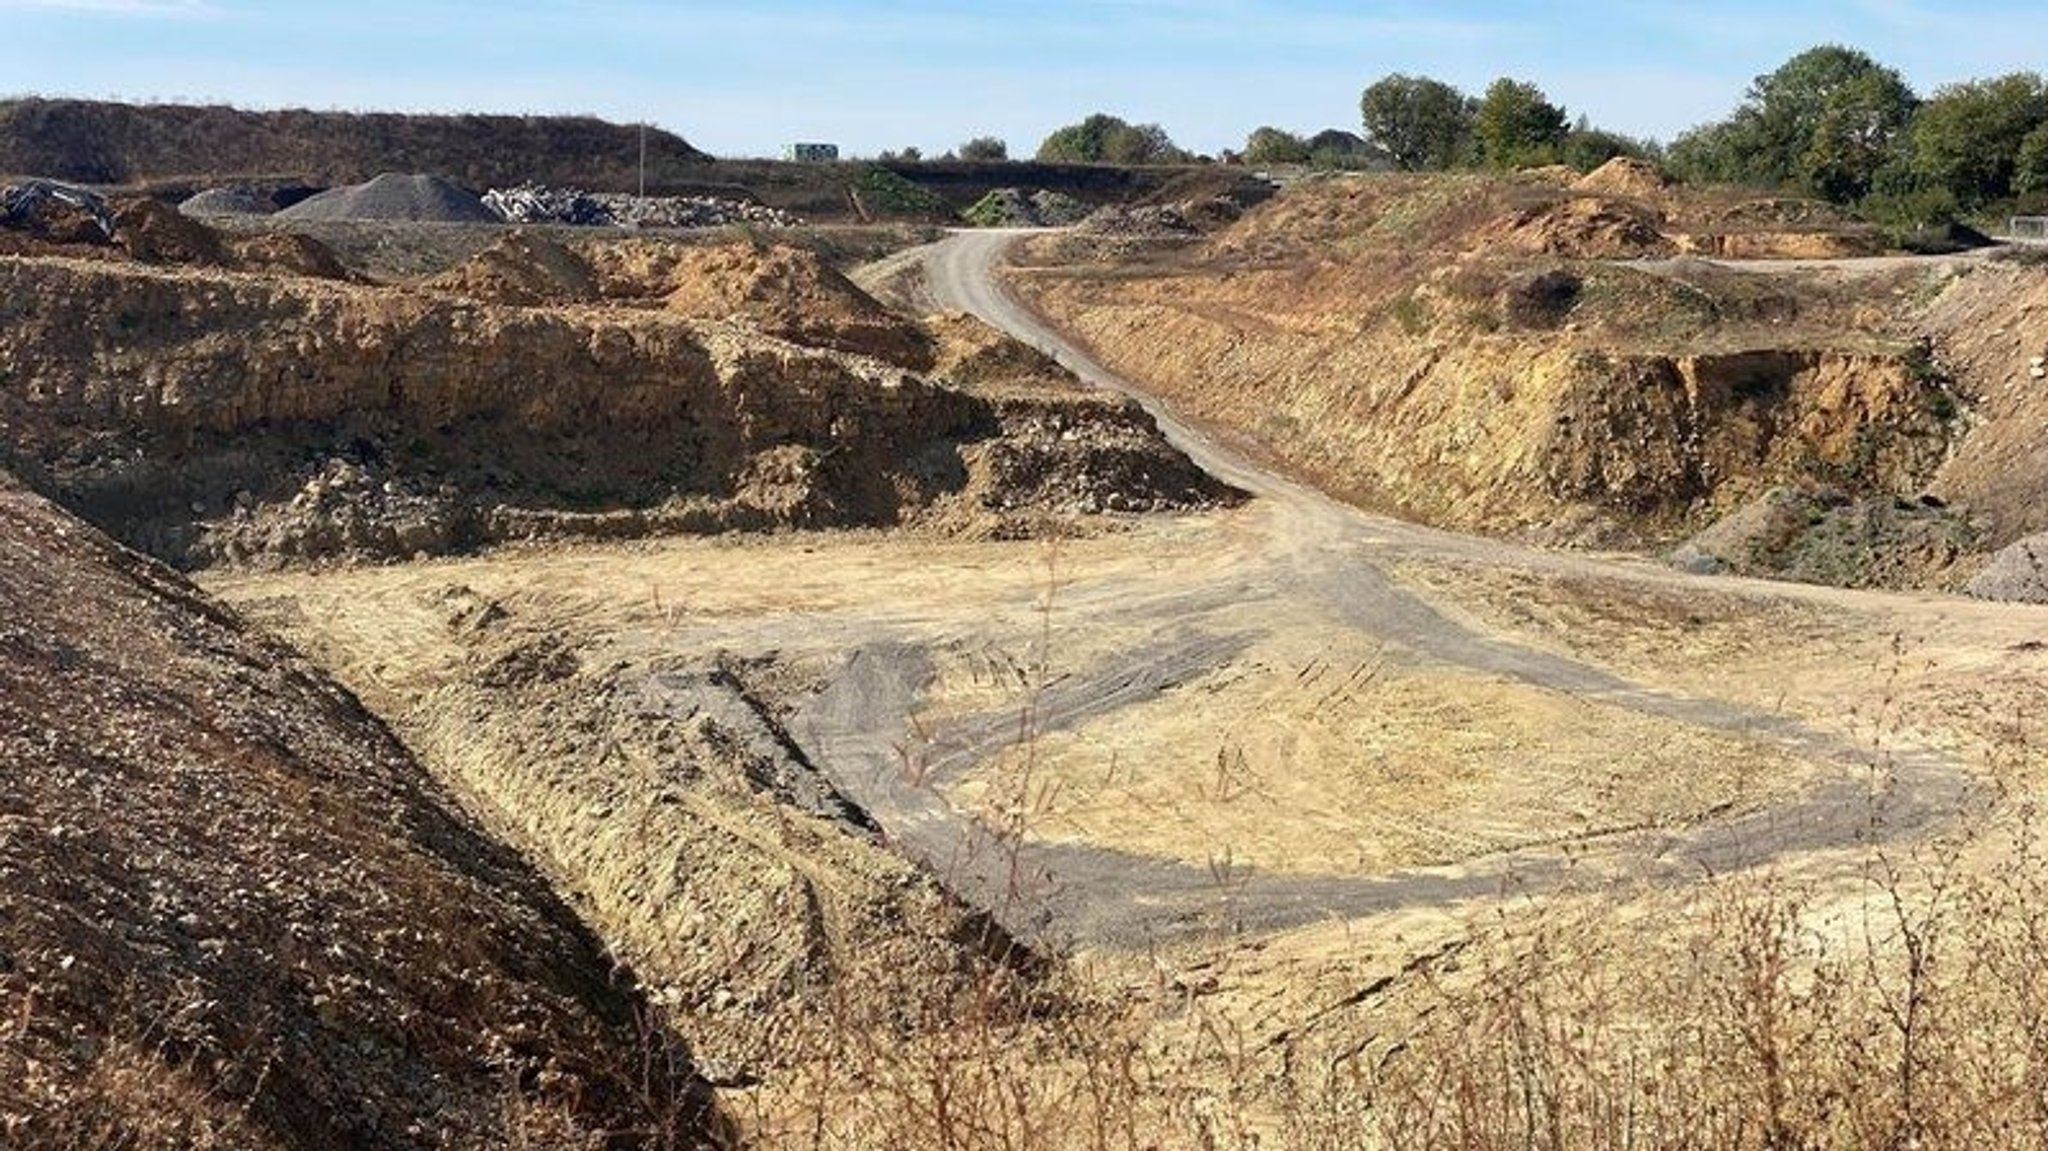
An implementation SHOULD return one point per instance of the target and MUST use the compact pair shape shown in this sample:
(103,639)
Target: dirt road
(1307,556)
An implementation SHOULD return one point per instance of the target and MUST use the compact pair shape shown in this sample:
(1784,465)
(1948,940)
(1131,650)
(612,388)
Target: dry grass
(1902,1009)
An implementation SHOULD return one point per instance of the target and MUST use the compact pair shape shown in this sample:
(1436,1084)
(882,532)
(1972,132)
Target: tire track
(1318,555)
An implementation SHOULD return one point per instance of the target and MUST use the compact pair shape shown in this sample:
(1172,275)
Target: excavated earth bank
(234,911)
(208,415)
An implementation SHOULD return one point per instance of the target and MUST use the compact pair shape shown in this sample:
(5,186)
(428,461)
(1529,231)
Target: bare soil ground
(1289,695)
(1331,807)
(1309,789)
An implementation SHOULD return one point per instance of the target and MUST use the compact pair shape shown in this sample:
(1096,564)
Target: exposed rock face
(544,391)
(1526,431)
(1468,351)
(235,912)
(783,291)
(1990,330)
(1653,434)
(157,401)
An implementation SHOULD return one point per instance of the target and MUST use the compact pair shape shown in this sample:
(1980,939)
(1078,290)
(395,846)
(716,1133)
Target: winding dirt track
(1312,555)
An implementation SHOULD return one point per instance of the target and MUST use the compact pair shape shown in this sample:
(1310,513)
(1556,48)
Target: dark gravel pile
(391,196)
(233,200)
(2017,574)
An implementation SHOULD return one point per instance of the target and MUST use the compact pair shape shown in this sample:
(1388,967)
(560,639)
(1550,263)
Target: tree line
(1830,122)
(1836,124)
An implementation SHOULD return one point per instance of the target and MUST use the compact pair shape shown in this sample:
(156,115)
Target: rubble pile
(2018,573)
(1145,222)
(1017,208)
(539,204)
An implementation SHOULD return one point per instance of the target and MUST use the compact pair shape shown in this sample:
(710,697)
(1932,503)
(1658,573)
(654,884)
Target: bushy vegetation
(1105,139)
(1834,123)
(984,150)
(884,193)
(1425,124)
(1830,122)
(1420,121)
(1515,125)
(1269,145)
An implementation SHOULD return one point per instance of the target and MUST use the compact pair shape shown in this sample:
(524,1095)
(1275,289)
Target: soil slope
(235,912)
(1474,351)
(1989,332)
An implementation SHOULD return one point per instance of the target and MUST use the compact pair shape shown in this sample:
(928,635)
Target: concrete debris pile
(56,212)
(538,204)
(1145,222)
(534,204)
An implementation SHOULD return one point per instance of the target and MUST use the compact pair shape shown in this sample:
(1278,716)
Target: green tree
(1828,91)
(2030,165)
(1105,139)
(1080,143)
(985,150)
(1421,122)
(1516,126)
(1967,138)
(1860,130)
(1827,120)
(1275,146)
(1144,144)
(1586,147)
(1717,153)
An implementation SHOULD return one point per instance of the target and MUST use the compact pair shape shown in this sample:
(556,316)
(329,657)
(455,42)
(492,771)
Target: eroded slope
(1490,353)
(623,390)
(235,912)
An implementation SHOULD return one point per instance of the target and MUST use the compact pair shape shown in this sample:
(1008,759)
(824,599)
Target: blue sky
(740,79)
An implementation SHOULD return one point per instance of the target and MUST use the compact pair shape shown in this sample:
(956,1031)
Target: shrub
(882,192)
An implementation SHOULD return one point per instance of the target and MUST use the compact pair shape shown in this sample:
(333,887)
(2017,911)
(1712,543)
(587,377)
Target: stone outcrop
(158,401)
